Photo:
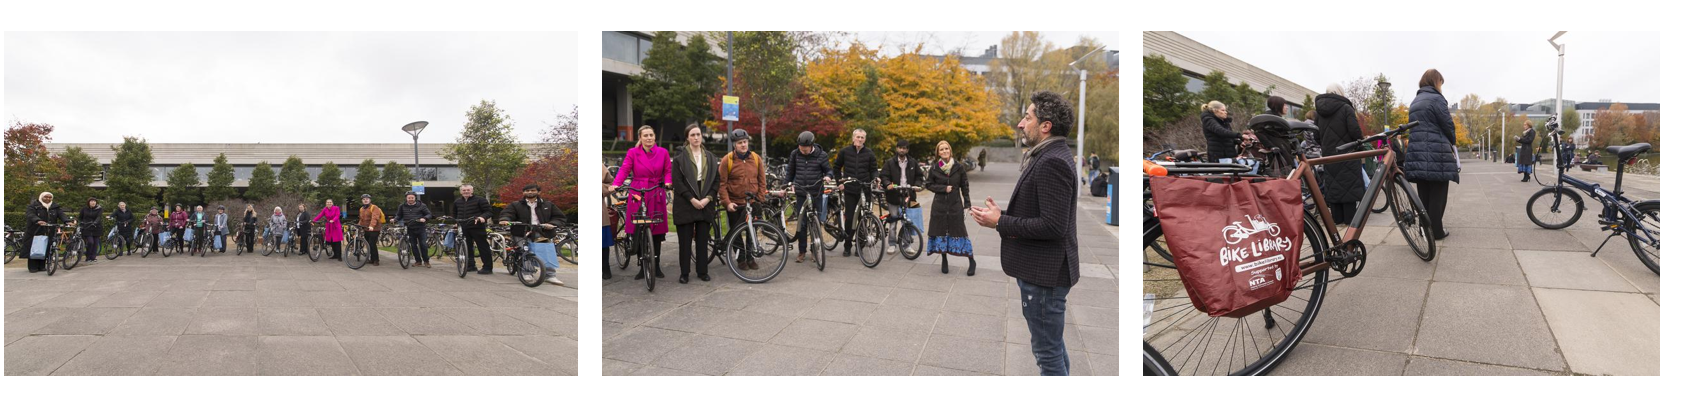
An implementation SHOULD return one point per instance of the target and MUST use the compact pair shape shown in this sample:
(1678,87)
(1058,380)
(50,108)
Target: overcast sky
(242,87)
(1520,66)
(971,43)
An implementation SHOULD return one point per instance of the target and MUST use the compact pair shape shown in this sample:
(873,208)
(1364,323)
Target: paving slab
(1490,324)
(1604,333)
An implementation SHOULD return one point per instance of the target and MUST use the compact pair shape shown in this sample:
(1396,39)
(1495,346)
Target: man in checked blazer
(1039,228)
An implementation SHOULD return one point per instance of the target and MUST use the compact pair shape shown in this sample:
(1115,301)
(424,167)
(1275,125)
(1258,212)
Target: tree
(677,80)
(1165,93)
(81,170)
(1380,102)
(772,85)
(546,174)
(932,99)
(294,178)
(263,184)
(396,181)
(487,152)
(365,181)
(1462,133)
(1101,129)
(1023,67)
(130,179)
(1611,126)
(182,186)
(1359,91)
(331,185)
(847,83)
(220,180)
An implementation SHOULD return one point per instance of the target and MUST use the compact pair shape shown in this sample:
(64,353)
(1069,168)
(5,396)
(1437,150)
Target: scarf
(947,166)
(1025,160)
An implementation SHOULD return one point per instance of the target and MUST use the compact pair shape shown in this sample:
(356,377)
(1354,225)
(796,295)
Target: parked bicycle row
(530,236)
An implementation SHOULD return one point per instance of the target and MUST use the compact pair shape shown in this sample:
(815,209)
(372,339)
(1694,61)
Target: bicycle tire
(354,257)
(11,251)
(644,261)
(1413,217)
(568,246)
(403,255)
(460,258)
(870,237)
(834,229)
(530,270)
(111,248)
(1153,364)
(1649,213)
(1272,350)
(766,247)
(74,249)
(315,248)
(911,240)
(1555,208)
(50,263)
(621,251)
(818,250)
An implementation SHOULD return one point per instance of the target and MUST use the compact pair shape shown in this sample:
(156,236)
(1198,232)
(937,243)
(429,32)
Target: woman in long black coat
(947,210)
(696,181)
(1431,162)
(42,211)
(1342,183)
(1526,153)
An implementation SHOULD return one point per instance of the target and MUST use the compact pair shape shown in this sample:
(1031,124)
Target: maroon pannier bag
(1237,242)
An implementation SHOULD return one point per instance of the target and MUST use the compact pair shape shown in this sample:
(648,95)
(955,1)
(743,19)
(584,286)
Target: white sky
(1520,66)
(972,43)
(295,87)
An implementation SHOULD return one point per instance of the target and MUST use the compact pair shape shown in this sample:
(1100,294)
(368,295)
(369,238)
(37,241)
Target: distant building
(621,55)
(1586,114)
(1197,60)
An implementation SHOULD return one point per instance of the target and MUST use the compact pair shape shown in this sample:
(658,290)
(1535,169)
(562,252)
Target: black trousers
(176,234)
(91,242)
(335,249)
(247,240)
(692,238)
(1434,195)
(738,218)
(1343,212)
(416,237)
(371,244)
(851,200)
(477,243)
(303,236)
(127,234)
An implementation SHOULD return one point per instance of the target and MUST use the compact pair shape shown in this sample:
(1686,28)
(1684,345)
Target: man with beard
(903,171)
(537,213)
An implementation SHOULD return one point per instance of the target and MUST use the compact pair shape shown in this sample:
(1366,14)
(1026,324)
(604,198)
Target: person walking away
(179,226)
(809,174)
(647,165)
(1522,157)
(125,222)
(903,170)
(332,229)
(476,212)
(947,209)
(90,218)
(371,218)
(1430,153)
(249,223)
(37,216)
(696,172)
(1222,143)
(415,215)
(154,223)
(545,216)
(303,228)
(743,172)
(1338,125)
(858,162)
(983,159)
(1039,228)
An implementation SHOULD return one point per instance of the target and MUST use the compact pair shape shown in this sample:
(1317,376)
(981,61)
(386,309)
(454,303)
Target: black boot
(605,263)
(1526,177)
(944,264)
(971,270)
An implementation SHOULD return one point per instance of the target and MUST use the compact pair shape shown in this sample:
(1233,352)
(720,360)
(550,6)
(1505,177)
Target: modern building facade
(1197,60)
(621,55)
(1586,115)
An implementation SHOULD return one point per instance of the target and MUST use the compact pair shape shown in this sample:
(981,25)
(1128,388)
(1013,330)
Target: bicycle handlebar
(1349,147)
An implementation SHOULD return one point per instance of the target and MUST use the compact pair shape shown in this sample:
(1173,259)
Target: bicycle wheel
(1413,221)
(910,240)
(1155,251)
(52,262)
(646,261)
(1554,207)
(165,247)
(1647,246)
(832,226)
(530,270)
(315,248)
(112,247)
(72,254)
(11,250)
(1154,365)
(818,249)
(404,252)
(568,250)
(460,260)
(621,251)
(240,243)
(1198,344)
(869,241)
(759,250)
(355,256)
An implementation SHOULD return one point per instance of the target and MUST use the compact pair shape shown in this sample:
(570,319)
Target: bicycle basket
(1236,241)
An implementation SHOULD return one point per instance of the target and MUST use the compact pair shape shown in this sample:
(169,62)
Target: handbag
(1236,242)
(38,248)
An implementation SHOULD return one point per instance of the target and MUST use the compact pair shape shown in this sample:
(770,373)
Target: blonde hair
(1212,106)
(1334,89)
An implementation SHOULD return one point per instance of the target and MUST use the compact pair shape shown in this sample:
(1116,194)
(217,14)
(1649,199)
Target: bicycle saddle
(1302,126)
(1628,151)
(1268,122)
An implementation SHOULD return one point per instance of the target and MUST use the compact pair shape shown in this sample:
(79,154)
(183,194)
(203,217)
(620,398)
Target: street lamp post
(1082,100)
(1383,85)
(414,129)
(1560,79)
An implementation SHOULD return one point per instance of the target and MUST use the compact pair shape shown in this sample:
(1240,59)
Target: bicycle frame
(1304,170)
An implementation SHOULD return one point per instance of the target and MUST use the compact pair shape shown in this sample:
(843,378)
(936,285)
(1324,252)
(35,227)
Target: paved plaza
(900,318)
(256,315)
(1502,296)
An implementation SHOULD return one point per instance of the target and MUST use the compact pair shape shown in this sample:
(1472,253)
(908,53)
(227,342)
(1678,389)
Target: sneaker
(890,250)
(554,281)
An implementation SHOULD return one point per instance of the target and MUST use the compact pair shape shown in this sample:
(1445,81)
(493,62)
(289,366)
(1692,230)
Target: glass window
(642,46)
(620,46)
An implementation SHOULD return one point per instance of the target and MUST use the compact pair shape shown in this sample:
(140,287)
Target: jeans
(1044,313)
(549,256)
(817,202)
(416,238)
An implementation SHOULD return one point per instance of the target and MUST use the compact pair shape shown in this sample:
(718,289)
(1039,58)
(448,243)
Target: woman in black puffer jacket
(1430,153)
(1215,124)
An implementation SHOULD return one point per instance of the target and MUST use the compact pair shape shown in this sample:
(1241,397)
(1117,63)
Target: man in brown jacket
(742,172)
(370,222)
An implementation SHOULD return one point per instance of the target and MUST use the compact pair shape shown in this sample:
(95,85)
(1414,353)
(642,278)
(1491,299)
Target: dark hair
(1276,104)
(1053,109)
(1311,114)
(92,199)
(692,126)
(1431,78)
(532,186)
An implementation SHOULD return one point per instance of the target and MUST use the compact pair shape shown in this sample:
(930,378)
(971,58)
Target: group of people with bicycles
(198,232)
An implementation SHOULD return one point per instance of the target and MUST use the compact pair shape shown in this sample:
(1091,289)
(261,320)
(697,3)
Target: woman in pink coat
(332,230)
(646,166)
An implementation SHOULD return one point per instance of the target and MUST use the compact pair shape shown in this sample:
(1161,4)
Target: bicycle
(315,243)
(54,247)
(240,239)
(810,222)
(903,233)
(1172,331)
(70,246)
(116,244)
(14,243)
(869,227)
(1637,220)
(753,240)
(620,238)
(461,261)
(357,251)
(518,259)
(642,240)
(274,241)
(566,244)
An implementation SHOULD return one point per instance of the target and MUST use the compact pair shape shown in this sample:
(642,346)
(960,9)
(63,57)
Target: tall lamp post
(1082,100)
(1560,80)
(1383,85)
(414,129)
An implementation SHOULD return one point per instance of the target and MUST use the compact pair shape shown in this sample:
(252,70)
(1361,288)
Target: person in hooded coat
(1431,163)
(1525,154)
(1342,184)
